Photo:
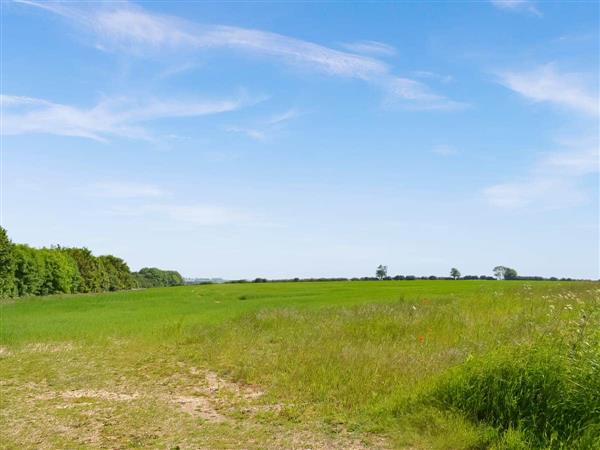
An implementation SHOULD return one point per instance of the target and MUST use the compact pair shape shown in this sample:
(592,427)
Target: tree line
(26,270)
(381,274)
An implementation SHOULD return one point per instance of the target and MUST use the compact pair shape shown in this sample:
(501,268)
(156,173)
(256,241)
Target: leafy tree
(455,273)
(510,274)
(153,277)
(93,276)
(60,272)
(499,272)
(29,270)
(381,272)
(7,267)
(117,275)
(505,273)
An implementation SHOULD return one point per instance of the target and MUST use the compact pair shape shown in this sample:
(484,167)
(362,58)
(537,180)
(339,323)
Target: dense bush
(26,270)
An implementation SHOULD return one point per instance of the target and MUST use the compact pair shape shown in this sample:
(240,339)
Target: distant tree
(152,277)
(455,273)
(499,272)
(7,267)
(510,274)
(381,272)
(505,273)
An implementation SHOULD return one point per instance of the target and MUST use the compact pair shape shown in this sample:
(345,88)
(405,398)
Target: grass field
(349,365)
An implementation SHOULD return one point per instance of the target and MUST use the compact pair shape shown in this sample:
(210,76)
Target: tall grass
(545,394)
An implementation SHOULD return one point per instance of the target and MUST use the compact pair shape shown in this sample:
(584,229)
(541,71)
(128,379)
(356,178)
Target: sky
(310,139)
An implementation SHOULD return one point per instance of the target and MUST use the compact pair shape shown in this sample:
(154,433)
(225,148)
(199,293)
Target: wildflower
(422,339)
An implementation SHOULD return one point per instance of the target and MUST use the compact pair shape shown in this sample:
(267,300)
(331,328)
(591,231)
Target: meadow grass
(407,364)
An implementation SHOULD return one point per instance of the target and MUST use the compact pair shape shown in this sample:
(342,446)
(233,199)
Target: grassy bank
(410,364)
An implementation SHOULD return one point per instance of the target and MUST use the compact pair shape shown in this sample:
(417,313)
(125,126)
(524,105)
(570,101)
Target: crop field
(343,365)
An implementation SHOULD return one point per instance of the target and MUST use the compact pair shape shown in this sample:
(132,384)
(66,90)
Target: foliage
(60,273)
(7,279)
(90,269)
(455,273)
(152,277)
(29,270)
(381,272)
(117,275)
(505,273)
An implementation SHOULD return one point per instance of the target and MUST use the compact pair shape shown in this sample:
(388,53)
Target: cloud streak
(370,48)
(262,130)
(127,28)
(112,117)
(517,6)
(554,180)
(547,84)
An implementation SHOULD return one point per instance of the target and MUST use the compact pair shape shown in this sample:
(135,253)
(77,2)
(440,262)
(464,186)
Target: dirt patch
(99,394)
(216,384)
(87,393)
(199,407)
(4,352)
(48,347)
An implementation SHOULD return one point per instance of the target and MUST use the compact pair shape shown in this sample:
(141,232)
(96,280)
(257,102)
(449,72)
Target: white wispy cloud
(125,189)
(111,117)
(444,150)
(283,117)
(120,26)
(580,162)
(554,181)
(261,130)
(370,48)
(517,5)
(540,192)
(252,133)
(547,84)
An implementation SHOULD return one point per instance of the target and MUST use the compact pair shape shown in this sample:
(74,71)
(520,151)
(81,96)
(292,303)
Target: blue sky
(244,139)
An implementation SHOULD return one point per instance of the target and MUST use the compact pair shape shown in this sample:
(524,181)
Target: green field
(348,365)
